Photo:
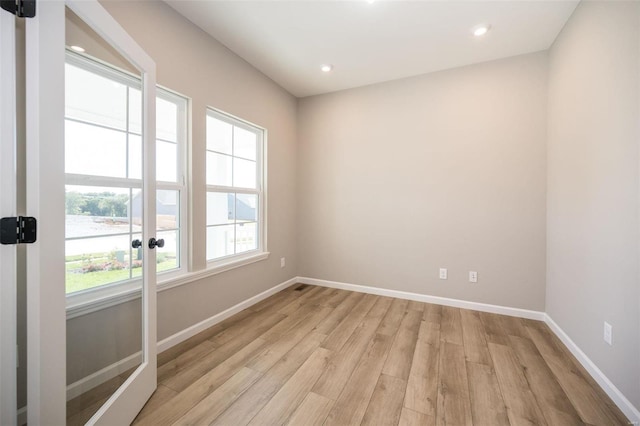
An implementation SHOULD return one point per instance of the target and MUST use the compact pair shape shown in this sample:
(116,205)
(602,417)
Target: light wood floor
(319,356)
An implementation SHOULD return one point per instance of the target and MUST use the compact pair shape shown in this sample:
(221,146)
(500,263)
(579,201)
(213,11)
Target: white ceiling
(372,42)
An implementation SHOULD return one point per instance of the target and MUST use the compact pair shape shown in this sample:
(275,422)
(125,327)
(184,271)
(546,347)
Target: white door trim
(8,322)
(46,320)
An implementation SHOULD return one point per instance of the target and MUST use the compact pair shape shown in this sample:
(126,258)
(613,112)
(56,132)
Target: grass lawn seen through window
(92,270)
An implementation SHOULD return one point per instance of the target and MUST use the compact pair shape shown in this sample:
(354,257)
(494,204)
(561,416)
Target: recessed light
(326,68)
(370,1)
(77,49)
(481,30)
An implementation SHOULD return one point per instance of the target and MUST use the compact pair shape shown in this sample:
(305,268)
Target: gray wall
(192,63)
(593,172)
(442,170)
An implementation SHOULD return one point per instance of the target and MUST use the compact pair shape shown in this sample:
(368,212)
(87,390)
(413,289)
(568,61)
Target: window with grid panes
(235,195)
(103,169)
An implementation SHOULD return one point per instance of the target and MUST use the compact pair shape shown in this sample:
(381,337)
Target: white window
(235,189)
(171,182)
(103,166)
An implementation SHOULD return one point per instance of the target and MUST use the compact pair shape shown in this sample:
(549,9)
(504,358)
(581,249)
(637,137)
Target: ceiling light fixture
(370,1)
(326,68)
(481,30)
(77,49)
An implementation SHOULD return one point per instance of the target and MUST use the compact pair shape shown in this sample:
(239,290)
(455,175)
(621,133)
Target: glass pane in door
(104,248)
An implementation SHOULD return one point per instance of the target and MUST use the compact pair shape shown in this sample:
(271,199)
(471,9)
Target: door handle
(136,244)
(153,243)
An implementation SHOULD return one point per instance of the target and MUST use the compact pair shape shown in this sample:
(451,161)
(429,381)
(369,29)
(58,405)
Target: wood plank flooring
(321,356)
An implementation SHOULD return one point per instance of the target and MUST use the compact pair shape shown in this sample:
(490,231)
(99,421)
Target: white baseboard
(109,372)
(113,370)
(183,335)
(614,393)
(83,385)
(456,303)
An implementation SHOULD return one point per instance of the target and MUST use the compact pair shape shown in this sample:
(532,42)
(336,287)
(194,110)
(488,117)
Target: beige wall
(593,173)
(442,170)
(192,63)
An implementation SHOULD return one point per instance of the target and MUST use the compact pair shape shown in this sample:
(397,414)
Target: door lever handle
(153,243)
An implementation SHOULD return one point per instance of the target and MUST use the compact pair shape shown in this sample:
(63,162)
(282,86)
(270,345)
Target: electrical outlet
(282,262)
(443,273)
(608,333)
(473,277)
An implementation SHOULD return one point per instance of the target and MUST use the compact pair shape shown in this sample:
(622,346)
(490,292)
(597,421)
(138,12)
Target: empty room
(317,212)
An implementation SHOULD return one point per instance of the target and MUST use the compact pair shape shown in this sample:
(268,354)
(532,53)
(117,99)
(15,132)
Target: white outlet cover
(282,262)
(473,276)
(443,273)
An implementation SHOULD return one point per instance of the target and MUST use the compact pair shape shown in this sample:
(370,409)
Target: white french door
(7,209)
(48,260)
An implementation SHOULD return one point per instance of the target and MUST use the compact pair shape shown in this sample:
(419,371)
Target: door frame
(8,201)
(46,299)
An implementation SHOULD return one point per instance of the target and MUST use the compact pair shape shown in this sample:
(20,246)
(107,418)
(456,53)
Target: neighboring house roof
(167,205)
(243,210)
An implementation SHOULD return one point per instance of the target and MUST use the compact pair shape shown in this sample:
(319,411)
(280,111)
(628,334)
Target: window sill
(94,300)
(218,268)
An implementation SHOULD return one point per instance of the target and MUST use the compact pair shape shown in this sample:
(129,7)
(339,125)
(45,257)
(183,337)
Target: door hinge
(20,8)
(18,230)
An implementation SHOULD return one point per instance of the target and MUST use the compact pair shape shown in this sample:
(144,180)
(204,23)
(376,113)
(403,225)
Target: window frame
(260,252)
(110,294)
(181,185)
